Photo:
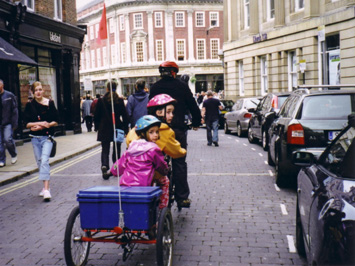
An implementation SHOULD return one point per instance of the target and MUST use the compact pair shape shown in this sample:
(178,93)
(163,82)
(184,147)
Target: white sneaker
(42,192)
(2,164)
(46,195)
(14,160)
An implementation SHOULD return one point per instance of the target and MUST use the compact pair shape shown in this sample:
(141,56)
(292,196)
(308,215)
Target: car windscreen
(330,106)
(281,100)
(251,103)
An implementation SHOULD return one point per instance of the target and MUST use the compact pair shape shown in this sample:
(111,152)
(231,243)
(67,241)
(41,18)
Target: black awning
(10,53)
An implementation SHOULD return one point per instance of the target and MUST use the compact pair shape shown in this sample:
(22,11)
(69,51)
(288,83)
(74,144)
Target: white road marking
(271,173)
(253,149)
(237,140)
(265,162)
(283,209)
(230,137)
(291,244)
(261,155)
(245,145)
(276,187)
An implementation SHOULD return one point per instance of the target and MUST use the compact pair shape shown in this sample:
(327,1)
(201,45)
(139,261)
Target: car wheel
(265,140)
(239,129)
(269,159)
(251,138)
(226,130)
(299,234)
(280,178)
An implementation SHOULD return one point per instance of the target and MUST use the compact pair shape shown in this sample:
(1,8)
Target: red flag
(103,25)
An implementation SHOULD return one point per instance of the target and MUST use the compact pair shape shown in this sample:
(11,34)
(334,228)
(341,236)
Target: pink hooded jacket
(138,163)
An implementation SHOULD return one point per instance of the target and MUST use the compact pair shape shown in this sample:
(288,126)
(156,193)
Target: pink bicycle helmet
(160,100)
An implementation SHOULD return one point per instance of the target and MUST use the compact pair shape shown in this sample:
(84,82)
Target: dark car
(259,123)
(238,118)
(308,118)
(325,213)
(227,107)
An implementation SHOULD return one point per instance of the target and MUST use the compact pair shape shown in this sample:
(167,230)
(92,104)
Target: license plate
(333,134)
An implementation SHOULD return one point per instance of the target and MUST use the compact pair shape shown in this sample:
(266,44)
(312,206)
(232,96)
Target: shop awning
(10,53)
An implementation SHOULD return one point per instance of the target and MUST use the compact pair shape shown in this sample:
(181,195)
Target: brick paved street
(237,217)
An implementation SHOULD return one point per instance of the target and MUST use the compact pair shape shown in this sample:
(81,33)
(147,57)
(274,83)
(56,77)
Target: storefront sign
(260,37)
(87,84)
(334,67)
(55,37)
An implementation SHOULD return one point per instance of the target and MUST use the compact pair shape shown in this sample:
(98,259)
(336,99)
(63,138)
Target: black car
(227,107)
(325,213)
(259,123)
(308,118)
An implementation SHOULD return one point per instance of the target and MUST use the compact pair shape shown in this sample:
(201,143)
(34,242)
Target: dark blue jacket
(9,109)
(137,106)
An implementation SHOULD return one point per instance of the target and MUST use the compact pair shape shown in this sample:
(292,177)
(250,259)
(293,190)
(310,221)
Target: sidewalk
(67,147)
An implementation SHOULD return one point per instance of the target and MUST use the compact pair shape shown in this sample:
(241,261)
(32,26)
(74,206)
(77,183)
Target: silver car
(238,118)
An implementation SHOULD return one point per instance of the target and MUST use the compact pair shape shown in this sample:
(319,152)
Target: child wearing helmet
(143,157)
(162,107)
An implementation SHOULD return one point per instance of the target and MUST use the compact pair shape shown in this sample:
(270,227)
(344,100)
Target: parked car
(238,118)
(308,118)
(325,213)
(259,123)
(227,107)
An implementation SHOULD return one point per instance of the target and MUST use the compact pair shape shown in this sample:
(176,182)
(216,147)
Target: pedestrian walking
(210,114)
(104,125)
(93,107)
(8,123)
(137,103)
(41,117)
(87,115)
(181,92)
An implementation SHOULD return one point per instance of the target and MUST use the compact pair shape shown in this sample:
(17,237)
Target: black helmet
(185,78)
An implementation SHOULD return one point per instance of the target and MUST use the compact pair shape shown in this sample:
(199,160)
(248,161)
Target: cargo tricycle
(122,215)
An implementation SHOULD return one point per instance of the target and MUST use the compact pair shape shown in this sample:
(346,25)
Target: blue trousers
(6,142)
(212,131)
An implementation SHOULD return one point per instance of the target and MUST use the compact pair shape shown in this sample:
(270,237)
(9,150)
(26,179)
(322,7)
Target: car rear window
(281,100)
(326,107)
(251,103)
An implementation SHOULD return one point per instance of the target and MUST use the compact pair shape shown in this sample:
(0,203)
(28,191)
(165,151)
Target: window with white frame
(139,52)
(30,4)
(159,50)
(121,21)
(180,49)
(113,54)
(292,70)
(112,25)
(123,52)
(58,9)
(214,48)
(93,59)
(158,19)
(264,79)
(98,56)
(214,19)
(201,49)
(92,34)
(270,9)
(87,59)
(200,19)
(97,27)
(104,56)
(246,14)
(138,21)
(299,4)
(179,19)
(241,78)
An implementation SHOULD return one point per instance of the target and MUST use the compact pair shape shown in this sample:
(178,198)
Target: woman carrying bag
(41,117)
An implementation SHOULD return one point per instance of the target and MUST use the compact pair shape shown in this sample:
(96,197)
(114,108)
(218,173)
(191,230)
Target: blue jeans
(212,131)
(6,142)
(42,148)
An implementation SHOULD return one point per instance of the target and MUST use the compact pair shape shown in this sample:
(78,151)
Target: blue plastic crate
(99,207)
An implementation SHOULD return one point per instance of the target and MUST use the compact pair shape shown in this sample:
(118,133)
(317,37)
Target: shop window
(292,70)
(179,19)
(158,19)
(200,19)
(58,10)
(332,70)
(180,50)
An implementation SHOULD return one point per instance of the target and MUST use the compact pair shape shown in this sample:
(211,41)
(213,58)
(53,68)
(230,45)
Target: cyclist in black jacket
(186,103)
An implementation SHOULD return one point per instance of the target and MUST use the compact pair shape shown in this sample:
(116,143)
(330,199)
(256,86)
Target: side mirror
(251,110)
(351,120)
(303,158)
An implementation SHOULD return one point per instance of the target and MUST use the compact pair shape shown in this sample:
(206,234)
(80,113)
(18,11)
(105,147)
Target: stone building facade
(275,45)
(143,34)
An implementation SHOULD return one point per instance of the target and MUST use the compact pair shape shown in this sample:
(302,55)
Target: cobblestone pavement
(238,216)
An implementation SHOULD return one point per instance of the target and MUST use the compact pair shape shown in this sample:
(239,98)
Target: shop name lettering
(260,37)
(54,37)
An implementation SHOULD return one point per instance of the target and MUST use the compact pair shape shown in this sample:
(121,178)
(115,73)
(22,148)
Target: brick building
(275,45)
(42,42)
(143,34)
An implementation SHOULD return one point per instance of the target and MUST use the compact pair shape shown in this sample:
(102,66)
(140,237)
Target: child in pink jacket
(139,162)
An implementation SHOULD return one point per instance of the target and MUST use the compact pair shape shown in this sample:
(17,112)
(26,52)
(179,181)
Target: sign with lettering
(55,37)
(260,37)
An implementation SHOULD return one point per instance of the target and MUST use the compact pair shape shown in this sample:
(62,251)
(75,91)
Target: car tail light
(295,134)
(274,102)
(247,115)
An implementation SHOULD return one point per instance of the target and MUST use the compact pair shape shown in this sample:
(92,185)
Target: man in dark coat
(186,103)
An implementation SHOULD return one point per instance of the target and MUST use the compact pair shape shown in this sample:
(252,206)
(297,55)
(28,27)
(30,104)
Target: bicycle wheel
(165,238)
(76,251)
